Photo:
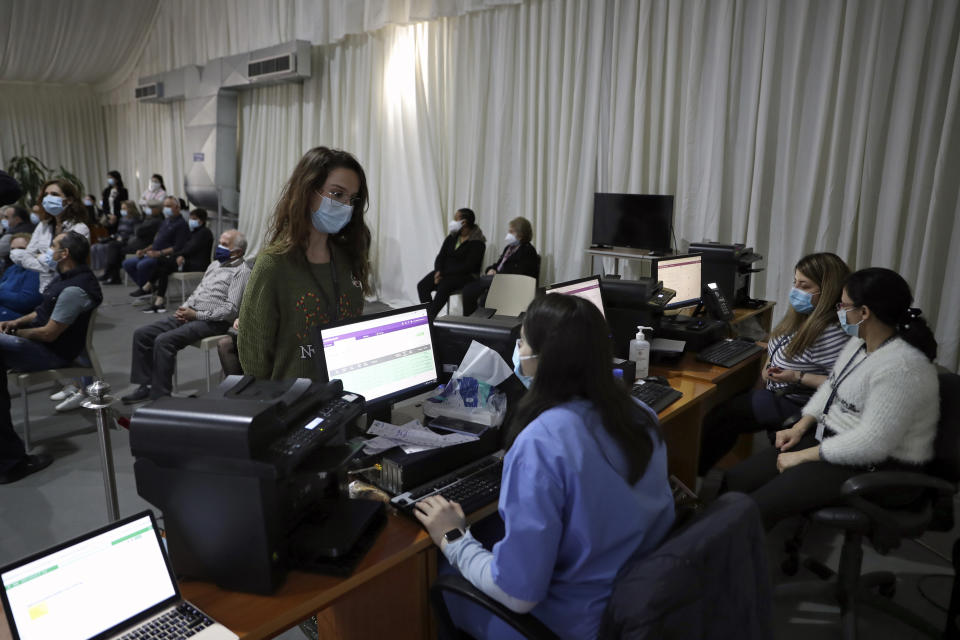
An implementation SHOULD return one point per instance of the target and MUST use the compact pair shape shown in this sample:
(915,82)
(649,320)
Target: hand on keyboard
(438,516)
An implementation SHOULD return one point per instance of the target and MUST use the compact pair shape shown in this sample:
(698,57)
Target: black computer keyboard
(656,396)
(728,352)
(182,622)
(473,486)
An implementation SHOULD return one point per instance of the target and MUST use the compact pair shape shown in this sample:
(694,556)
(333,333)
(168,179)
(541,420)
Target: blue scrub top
(571,520)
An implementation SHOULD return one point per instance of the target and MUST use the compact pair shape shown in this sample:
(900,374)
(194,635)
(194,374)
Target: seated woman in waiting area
(584,483)
(878,408)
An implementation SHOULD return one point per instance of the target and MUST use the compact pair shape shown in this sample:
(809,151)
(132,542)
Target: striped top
(818,358)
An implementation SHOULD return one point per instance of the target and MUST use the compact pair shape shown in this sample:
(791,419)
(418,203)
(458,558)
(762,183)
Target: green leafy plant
(31,173)
(64,174)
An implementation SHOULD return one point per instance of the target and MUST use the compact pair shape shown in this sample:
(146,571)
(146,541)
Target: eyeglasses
(342,198)
(840,306)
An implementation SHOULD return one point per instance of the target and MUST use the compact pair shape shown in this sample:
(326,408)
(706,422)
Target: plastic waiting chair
(26,379)
(206,345)
(510,294)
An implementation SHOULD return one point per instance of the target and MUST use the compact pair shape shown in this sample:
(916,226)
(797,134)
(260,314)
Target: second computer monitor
(682,274)
(384,357)
(587,288)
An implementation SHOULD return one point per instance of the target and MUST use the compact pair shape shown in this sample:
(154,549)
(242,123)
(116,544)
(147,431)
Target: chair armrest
(792,420)
(854,488)
(525,623)
(894,480)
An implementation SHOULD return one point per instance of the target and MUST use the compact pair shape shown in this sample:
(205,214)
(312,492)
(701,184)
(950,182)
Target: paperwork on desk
(411,437)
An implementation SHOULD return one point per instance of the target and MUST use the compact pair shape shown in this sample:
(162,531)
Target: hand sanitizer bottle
(640,353)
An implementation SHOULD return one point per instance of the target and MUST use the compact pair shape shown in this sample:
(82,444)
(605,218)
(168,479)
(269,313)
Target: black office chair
(886,527)
(709,579)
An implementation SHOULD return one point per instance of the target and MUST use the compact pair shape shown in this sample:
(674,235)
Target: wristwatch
(453,534)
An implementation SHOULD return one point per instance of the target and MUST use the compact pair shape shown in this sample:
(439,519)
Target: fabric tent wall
(59,124)
(794,126)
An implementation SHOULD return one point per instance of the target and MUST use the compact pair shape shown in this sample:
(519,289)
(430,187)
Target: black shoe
(104,278)
(142,394)
(139,293)
(114,280)
(28,465)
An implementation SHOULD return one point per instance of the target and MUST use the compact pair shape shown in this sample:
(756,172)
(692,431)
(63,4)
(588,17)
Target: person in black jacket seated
(458,262)
(170,237)
(114,194)
(518,257)
(52,336)
(124,239)
(194,256)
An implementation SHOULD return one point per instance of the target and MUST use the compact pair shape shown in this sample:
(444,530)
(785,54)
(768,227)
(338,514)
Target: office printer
(730,266)
(229,503)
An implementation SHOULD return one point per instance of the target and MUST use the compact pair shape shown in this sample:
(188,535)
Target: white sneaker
(64,393)
(73,402)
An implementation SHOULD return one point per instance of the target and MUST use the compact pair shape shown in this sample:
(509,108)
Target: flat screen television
(631,220)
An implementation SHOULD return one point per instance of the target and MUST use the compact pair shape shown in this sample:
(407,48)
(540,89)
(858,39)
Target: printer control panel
(290,449)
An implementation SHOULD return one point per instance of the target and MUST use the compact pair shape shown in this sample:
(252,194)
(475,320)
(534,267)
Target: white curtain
(794,126)
(144,139)
(270,118)
(62,125)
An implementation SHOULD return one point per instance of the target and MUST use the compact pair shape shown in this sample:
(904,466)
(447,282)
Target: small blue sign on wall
(198,157)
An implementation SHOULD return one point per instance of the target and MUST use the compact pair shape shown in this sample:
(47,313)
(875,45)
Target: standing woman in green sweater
(315,269)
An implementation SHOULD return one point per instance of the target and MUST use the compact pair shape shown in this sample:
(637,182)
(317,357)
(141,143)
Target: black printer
(730,266)
(237,470)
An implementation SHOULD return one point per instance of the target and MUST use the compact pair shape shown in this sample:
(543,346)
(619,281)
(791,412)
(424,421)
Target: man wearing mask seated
(171,236)
(207,312)
(15,220)
(52,336)
(19,287)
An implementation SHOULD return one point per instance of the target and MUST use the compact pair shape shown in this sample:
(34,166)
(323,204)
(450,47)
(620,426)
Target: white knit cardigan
(885,407)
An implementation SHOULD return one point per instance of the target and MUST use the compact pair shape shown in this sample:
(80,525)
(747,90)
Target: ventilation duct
(210,93)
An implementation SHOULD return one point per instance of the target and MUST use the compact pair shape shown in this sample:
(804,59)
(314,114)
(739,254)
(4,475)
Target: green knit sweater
(281,305)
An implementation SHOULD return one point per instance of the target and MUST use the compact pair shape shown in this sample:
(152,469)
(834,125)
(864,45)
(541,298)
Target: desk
(680,423)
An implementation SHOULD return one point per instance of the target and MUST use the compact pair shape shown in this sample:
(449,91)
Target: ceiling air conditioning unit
(152,91)
(272,68)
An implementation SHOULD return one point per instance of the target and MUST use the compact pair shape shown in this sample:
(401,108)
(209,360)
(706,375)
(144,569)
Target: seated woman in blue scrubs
(584,483)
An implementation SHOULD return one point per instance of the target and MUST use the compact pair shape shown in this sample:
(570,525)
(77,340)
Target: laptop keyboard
(182,622)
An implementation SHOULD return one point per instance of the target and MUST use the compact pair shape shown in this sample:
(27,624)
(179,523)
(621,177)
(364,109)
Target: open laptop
(115,582)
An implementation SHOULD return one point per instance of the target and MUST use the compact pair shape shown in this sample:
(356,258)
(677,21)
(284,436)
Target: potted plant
(31,173)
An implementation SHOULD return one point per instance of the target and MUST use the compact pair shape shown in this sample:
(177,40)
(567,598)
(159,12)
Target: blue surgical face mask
(123,213)
(5,223)
(87,202)
(849,329)
(111,182)
(194,224)
(34,218)
(801,301)
(50,261)
(167,212)
(221,254)
(517,359)
(331,216)
(53,205)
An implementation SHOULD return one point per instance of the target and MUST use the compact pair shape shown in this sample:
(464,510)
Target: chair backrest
(946,448)
(510,294)
(709,579)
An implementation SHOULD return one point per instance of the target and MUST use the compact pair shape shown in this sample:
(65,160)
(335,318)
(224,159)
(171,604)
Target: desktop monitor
(385,357)
(453,335)
(587,288)
(682,274)
(633,220)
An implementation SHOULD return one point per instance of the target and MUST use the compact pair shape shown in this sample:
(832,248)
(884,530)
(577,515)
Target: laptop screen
(586,288)
(80,590)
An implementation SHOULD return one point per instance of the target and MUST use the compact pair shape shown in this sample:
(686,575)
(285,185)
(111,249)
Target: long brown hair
(290,227)
(828,271)
(73,211)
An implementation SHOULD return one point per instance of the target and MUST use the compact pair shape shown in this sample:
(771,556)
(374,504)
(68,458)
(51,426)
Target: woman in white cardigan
(877,410)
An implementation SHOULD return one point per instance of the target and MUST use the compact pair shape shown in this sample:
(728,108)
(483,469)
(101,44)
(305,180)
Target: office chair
(708,579)
(862,518)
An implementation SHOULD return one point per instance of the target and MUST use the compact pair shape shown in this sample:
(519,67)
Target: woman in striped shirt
(801,353)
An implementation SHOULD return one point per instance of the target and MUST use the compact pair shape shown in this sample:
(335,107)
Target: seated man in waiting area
(51,337)
(207,312)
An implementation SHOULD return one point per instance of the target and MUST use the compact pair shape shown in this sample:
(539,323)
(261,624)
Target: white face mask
(511,239)
(154,185)
(454,226)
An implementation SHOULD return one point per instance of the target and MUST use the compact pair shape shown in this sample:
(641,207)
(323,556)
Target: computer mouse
(657,380)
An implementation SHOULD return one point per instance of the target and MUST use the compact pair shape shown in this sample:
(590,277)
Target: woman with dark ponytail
(584,483)
(878,409)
